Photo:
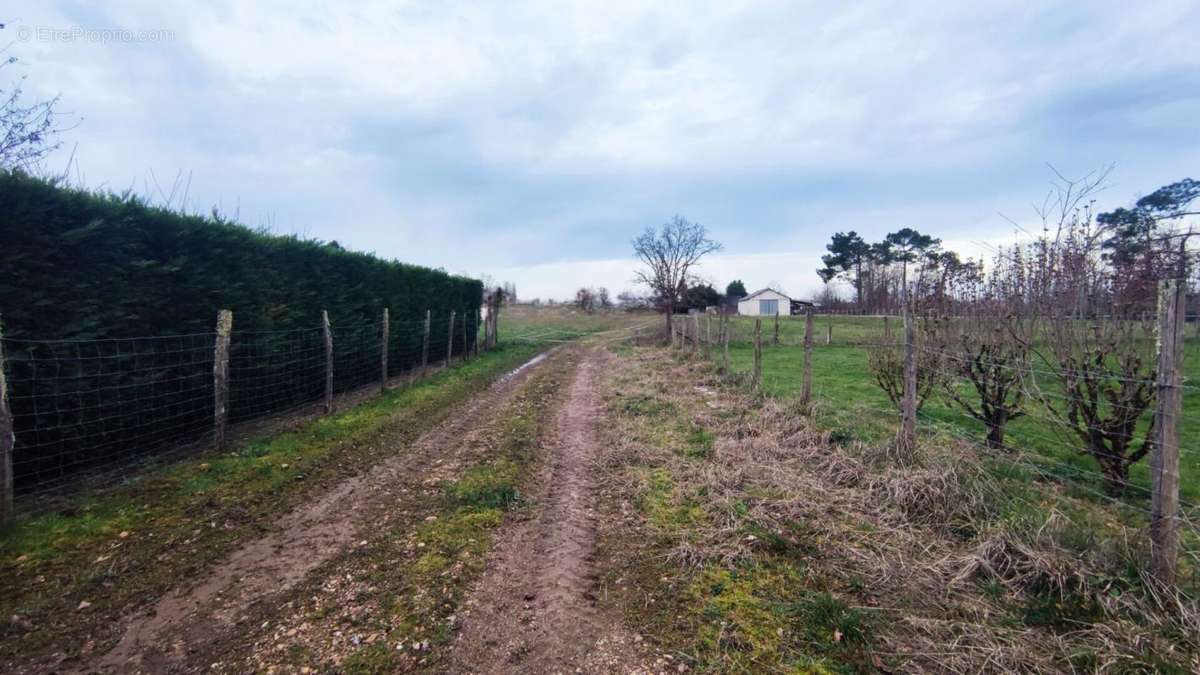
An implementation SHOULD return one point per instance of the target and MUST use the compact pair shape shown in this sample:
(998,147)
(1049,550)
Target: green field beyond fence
(851,405)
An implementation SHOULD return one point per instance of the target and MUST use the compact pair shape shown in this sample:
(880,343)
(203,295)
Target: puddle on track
(528,364)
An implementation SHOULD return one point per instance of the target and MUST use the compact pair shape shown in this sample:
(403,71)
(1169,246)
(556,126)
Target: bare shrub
(982,352)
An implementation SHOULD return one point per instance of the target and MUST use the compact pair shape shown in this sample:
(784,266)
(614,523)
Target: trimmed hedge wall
(93,286)
(81,265)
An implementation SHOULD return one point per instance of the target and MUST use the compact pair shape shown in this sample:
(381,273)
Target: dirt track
(165,637)
(534,610)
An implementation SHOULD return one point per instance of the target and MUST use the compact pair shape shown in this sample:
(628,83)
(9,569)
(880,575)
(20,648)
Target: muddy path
(164,637)
(535,608)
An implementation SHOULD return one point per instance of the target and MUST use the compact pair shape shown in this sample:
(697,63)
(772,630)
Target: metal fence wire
(82,409)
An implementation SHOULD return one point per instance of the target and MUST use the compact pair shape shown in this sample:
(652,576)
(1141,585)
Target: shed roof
(759,292)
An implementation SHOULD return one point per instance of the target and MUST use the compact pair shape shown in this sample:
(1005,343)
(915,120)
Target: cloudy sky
(532,140)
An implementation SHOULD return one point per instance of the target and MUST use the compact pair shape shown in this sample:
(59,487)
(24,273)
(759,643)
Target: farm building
(767,302)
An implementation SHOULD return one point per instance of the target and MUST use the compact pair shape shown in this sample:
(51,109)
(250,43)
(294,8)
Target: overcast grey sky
(532,140)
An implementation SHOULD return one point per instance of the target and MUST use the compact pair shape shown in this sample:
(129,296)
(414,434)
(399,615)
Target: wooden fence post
(466,350)
(383,353)
(887,329)
(708,331)
(8,441)
(221,377)
(328,333)
(829,333)
(756,377)
(450,339)
(806,382)
(906,441)
(1164,462)
(494,315)
(775,340)
(425,343)
(725,341)
(695,333)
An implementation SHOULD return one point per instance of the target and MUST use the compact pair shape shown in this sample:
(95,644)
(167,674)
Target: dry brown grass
(953,587)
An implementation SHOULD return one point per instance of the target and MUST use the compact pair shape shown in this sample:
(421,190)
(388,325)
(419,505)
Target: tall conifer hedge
(85,276)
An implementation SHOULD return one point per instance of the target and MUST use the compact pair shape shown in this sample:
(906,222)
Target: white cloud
(509,134)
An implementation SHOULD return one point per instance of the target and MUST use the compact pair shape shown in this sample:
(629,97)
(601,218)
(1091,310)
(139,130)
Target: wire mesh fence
(83,411)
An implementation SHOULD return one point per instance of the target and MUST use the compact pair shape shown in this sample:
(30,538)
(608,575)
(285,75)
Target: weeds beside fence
(78,411)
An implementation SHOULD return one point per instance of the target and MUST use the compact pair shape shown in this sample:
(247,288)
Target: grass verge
(778,550)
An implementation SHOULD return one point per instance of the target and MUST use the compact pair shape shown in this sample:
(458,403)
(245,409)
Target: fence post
(221,377)
(887,329)
(775,339)
(908,408)
(450,339)
(8,441)
(466,350)
(725,341)
(383,353)
(425,343)
(494,315)
(695,333)
(328,334)
(708,331)
(806,382)
(829,333)
(756,377)
(1164,462)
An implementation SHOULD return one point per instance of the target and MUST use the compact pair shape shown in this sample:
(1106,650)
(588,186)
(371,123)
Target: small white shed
(767,302)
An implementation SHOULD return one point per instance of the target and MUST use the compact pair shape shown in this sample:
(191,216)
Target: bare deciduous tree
(28,131)
(670,253)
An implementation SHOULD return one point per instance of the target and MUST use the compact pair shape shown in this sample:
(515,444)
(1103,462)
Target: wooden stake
(466,350)
(497,299)
(425,343)
(829,333)
(725,341)
(806,381)
(450,339)
(383,353)
(775,340)
(8,442)
(695,333)
(1164,462)
(756,378)
(328,333)
(221,377)
(906,441)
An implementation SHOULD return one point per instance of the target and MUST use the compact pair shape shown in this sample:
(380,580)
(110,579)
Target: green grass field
(560,323)
(851,405)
